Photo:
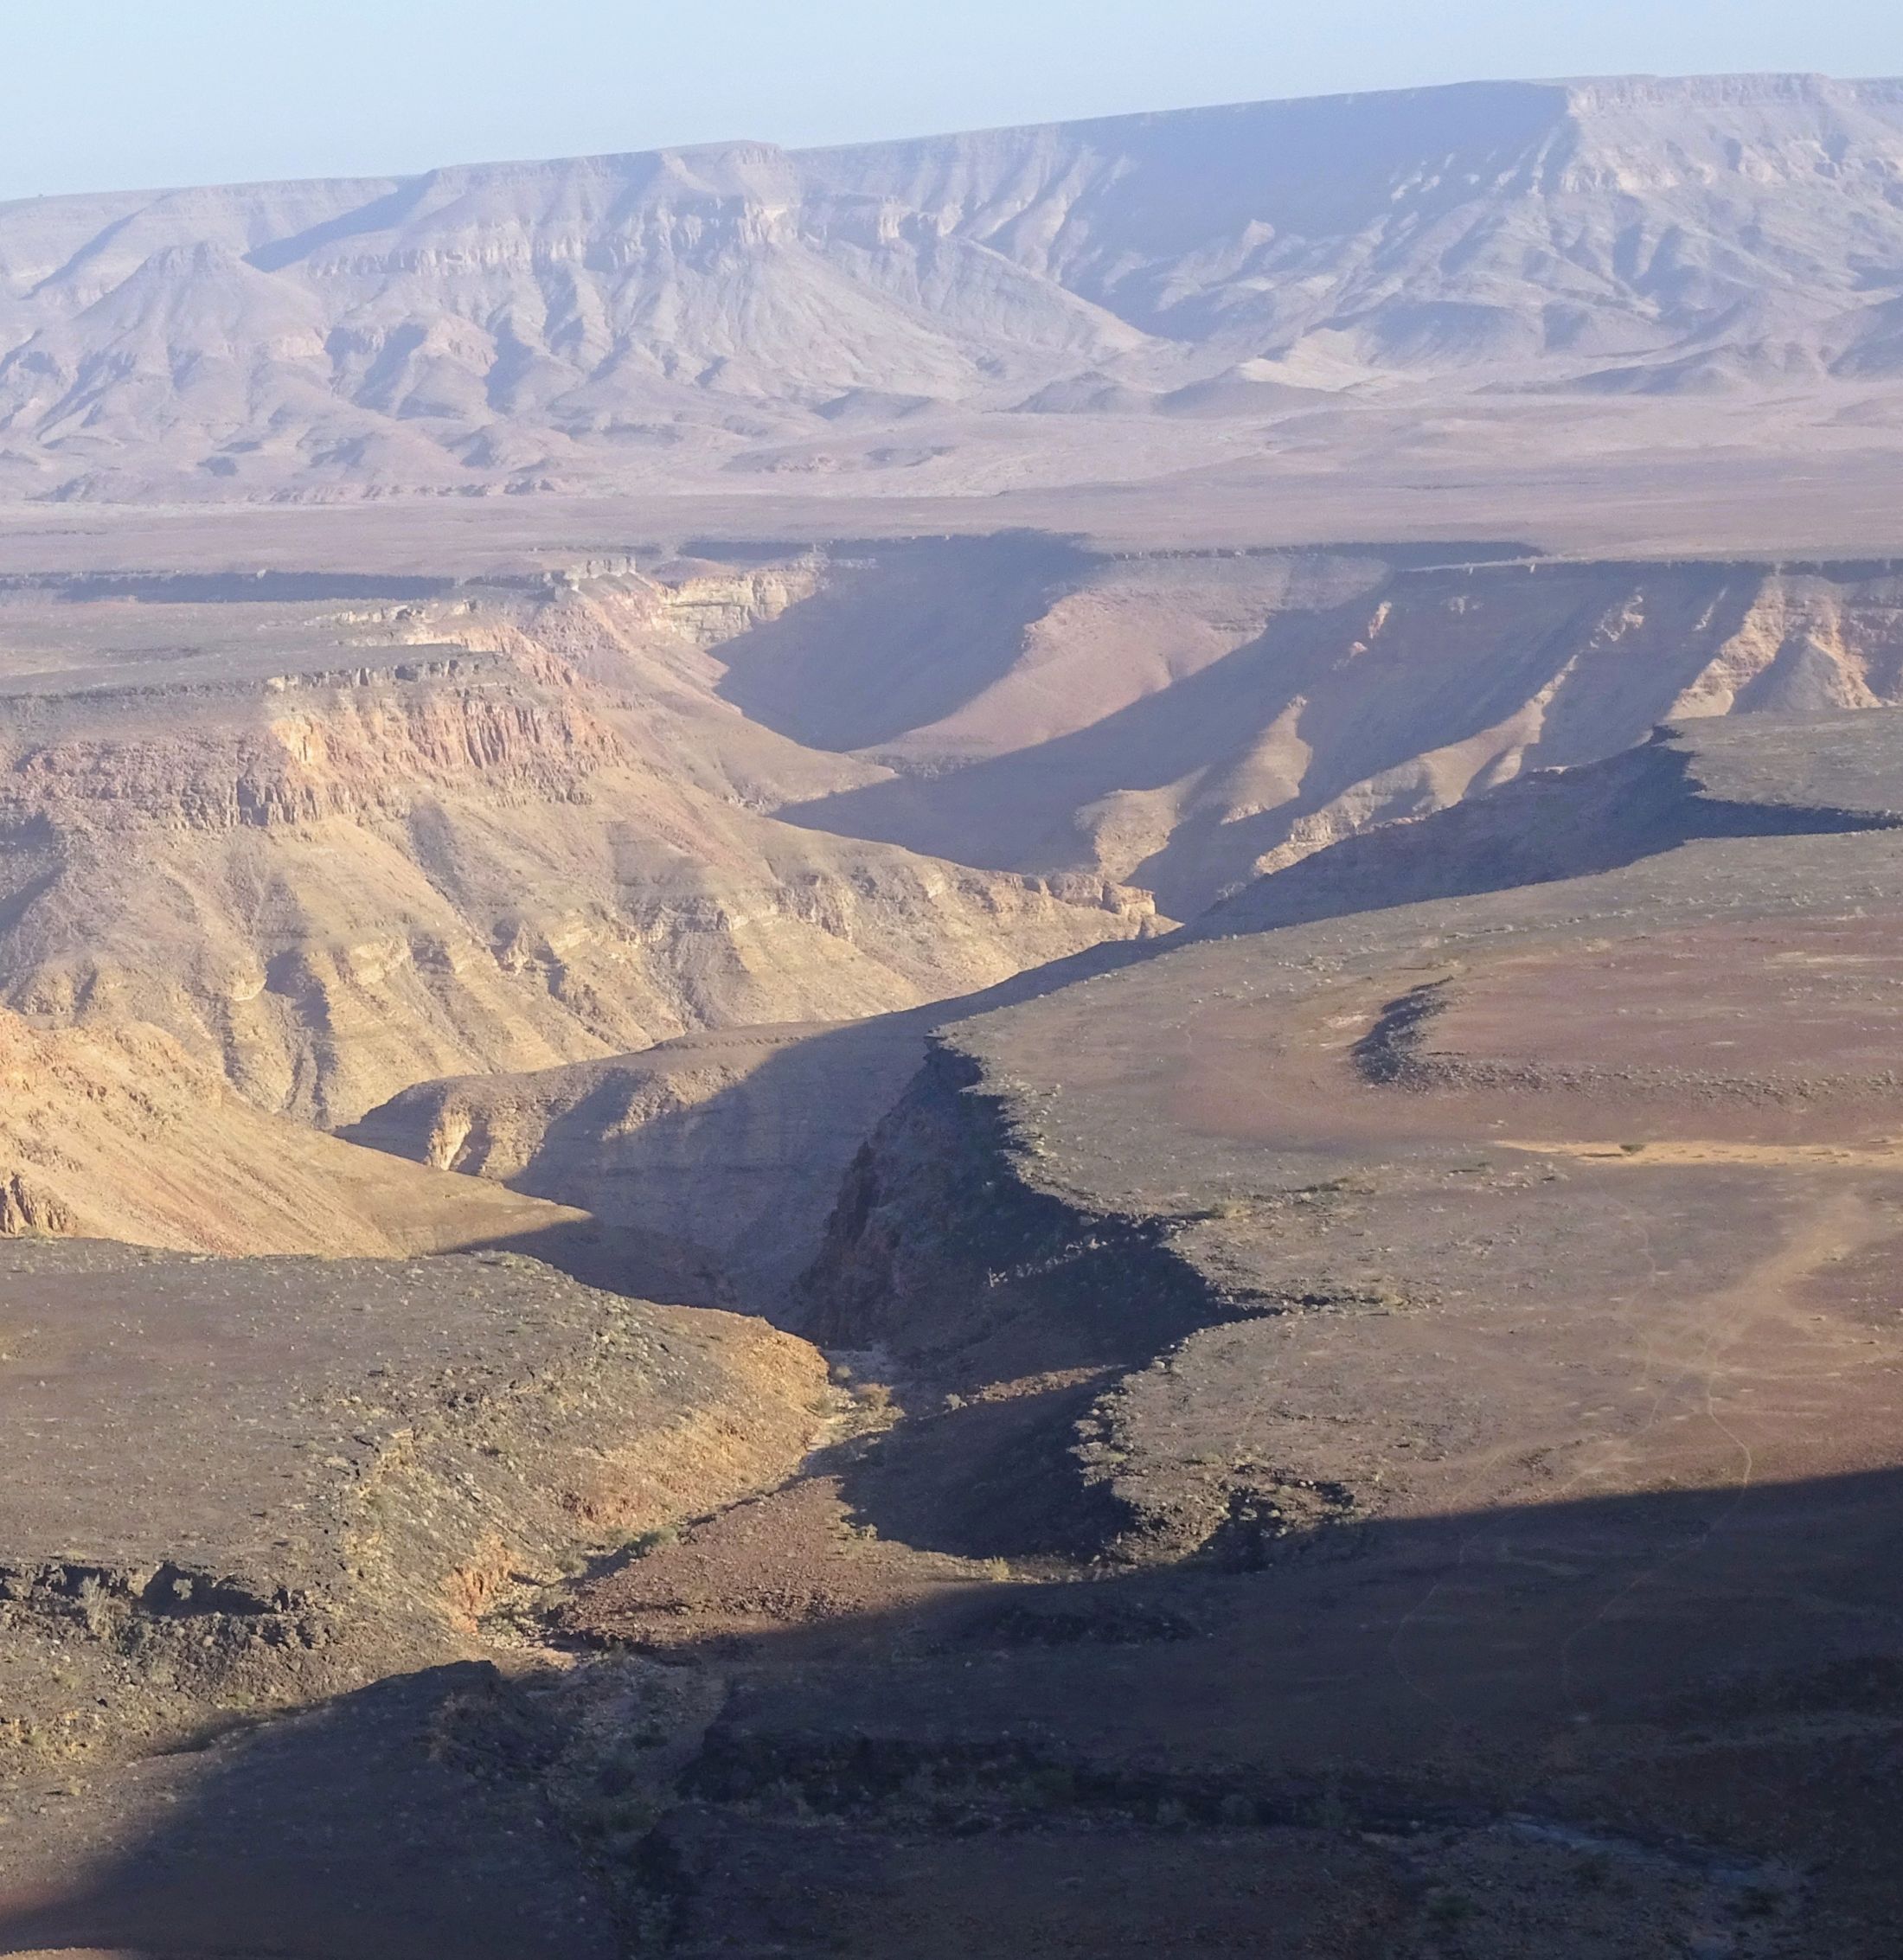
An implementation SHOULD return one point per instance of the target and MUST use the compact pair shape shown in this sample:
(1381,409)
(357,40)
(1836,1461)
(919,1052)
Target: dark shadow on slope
(619,1258)
(1703,1684)
(633,1250)
(1576,823)
(899,635)
(336,1835)
(380,213)
(1365,710)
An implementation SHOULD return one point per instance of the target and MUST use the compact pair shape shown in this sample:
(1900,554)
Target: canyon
(985,1046)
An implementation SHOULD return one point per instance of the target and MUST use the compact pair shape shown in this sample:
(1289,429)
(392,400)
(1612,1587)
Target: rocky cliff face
(1206,720)
(733,1144)
(1189,724)
(329,880)
(1133,1241)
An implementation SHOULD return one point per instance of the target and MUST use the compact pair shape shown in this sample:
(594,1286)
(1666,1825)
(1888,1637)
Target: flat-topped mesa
(294,748)
(574,325)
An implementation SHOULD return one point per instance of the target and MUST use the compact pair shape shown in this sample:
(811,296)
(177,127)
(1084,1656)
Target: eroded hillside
(1365,1426)
(116,1133)
(1185,723)
(1459,1343)
(1200,719)
(1225,1339)
(330,861)
(1382,1427)
(1076,302)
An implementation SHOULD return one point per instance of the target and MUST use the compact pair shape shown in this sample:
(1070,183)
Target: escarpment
(1187,725)
(1242,1247)
(733,1143)
(363,743)
(1097,303)
(946,1247)
(979,1046)
(332,881)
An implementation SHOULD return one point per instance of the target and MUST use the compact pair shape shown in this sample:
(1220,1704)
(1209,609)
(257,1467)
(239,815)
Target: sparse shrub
(1450,1909)
(95,1607)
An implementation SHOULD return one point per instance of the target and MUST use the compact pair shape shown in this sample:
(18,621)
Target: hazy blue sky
(116,94)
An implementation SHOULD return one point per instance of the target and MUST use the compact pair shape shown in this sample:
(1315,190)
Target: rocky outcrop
(947,1251)
(733,1144)
(225,1501)
(363,744)
(1184,1248)
(327,881)
(1189,724)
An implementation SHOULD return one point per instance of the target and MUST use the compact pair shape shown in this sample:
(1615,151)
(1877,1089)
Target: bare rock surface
(1382,1427)
(1704,778)
(1186,723)
(240,1483)
(332,849)
(733,1143)
(680,695)
(1434,1368)
(730,1145)
(1127,299)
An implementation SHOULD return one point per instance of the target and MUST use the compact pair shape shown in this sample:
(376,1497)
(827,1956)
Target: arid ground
(990,1048)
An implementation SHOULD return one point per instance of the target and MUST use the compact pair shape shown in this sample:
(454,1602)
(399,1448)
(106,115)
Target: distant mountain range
(700,315)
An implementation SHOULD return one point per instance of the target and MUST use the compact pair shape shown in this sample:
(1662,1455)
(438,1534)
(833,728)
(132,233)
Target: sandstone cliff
(373,862)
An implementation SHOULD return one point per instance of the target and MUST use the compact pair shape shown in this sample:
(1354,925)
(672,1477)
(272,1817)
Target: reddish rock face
(332,853)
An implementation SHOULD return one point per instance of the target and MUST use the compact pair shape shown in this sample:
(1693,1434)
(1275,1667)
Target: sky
(121,94)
